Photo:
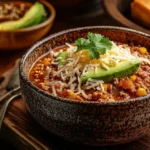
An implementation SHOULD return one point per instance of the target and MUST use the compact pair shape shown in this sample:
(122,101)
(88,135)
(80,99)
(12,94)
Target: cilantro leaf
(93,54)
(82,43)
(94,37)
(96,44)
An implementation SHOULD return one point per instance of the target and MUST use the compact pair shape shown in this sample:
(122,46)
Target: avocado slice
(32,17)
(122,69)
(62,57)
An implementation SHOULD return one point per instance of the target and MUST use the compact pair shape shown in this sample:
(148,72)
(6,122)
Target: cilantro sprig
(96,44)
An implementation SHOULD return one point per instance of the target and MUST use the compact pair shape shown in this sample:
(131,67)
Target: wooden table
(24,132)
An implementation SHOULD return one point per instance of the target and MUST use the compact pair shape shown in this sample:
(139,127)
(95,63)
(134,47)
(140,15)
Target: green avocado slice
(32,17)
(62,57)
(123,69)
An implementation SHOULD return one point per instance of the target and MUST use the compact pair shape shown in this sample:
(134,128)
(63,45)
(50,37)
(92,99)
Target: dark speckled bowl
(90,123)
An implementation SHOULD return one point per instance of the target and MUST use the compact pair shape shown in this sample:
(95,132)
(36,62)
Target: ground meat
(124,95)
(95,96)
(9,11)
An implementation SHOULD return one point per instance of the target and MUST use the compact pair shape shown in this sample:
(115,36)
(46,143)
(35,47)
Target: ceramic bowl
(24,38)
(85,122)
(120,11)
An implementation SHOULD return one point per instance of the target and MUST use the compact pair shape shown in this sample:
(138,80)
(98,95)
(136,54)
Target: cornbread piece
(140,11)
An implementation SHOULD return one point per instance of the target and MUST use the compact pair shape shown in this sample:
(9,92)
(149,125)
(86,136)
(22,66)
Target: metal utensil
(14,79)
(10,93)
(13,88)
(7,79)
(5,106)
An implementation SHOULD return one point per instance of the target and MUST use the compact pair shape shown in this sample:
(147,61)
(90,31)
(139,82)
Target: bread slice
(140,11)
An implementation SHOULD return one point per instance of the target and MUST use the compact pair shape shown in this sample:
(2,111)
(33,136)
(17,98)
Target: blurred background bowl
(77,9)
(23,38)
(120,11)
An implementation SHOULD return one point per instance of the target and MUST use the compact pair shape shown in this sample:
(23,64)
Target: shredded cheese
(78,65)
(94,84)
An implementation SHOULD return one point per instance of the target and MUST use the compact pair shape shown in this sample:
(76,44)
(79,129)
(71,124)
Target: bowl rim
(110,6)
(25,56)
(48,20)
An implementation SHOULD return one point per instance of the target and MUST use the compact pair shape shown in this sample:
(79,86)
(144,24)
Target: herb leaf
(96,44)
(82,43)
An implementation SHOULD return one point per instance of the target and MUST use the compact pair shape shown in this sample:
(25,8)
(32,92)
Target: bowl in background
(76,7)
(119,10)
(86,122)
(23,38)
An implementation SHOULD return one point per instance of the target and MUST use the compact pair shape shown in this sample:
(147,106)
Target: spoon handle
(5,106)
(9,93)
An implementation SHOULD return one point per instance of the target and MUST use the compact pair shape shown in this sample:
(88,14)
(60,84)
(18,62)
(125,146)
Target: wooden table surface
(24,132)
